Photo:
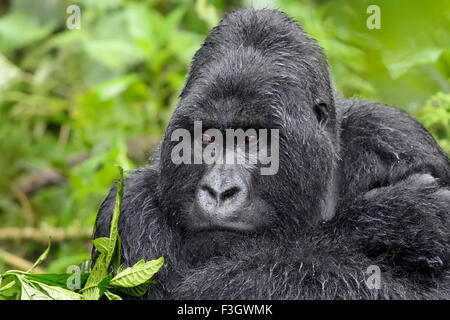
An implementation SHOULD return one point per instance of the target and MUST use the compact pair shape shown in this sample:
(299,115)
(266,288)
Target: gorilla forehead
(240,91)
(228,112)
(253,66)
(242,86)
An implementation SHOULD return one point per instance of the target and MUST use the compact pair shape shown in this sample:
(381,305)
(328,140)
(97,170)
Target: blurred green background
(75,102)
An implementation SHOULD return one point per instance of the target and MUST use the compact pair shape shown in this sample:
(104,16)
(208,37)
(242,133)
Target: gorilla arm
(393,206)
(405,225)
(313,268)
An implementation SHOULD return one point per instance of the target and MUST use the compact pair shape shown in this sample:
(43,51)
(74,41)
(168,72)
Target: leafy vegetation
(75,102)
(106,275)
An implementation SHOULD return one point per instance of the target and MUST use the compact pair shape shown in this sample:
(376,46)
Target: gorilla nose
(219,197)
(221,193)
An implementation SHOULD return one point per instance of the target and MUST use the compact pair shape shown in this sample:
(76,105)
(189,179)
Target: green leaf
(399,63)
(103,285)
(29,292)
(136,291)
(98,273)
(113,233)
(7,286)
(11,289)
(138,274)
(95,284)
(101,244)
(115,261)
(53,279)
(59,293)
(114,87)
(19,29)
(207,12)
(10,73)
(115,54)
(42,257)
(112,296)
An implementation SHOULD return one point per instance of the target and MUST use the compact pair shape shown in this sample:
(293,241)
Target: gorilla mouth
(242,222)
(236,227)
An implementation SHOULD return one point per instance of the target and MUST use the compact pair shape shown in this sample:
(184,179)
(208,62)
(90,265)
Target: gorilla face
(248,87)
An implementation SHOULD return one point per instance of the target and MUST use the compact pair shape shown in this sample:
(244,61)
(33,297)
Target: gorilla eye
(207,138)
(321,112)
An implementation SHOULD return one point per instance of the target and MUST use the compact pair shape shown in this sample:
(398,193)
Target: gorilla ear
(321,112)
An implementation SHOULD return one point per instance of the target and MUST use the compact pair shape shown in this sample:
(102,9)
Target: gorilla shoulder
(139,204)
(390,145)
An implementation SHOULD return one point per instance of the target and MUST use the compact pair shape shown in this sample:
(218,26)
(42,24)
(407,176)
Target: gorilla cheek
(301,182)
(178,183)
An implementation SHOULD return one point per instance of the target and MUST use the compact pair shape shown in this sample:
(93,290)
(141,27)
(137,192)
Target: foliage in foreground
(107,275)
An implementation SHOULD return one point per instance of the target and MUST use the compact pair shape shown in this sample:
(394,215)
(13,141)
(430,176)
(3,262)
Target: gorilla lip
(203,224)
(222,229)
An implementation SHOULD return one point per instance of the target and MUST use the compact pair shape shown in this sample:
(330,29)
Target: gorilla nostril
(210,191)
(229,193)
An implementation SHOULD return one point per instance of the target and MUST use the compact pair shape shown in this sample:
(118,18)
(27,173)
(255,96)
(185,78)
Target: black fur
(359,183)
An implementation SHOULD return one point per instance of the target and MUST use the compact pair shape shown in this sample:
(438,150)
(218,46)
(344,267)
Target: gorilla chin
(204,244)
(211,234)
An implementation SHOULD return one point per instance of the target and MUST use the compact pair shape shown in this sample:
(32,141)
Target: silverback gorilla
(360,185)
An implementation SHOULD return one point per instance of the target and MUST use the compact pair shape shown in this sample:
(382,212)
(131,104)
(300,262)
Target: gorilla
(359,206)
